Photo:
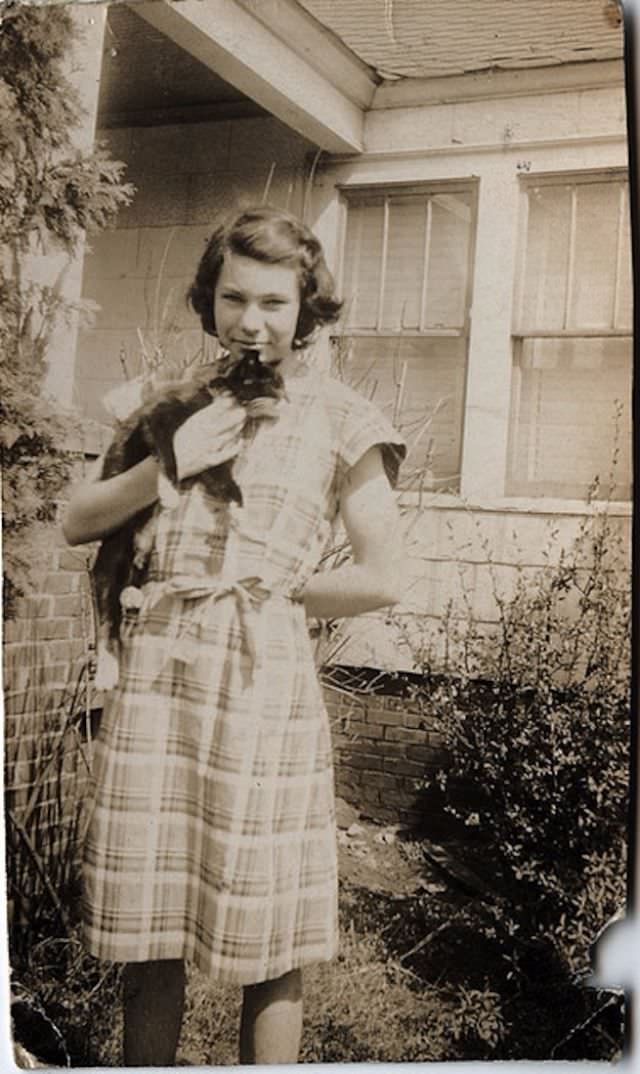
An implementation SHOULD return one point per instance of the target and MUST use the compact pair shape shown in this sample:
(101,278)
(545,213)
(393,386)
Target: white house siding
(497,142)
(138,273)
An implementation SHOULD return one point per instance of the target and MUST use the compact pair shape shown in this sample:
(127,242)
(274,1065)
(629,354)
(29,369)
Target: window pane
(577,258)
(363,263)
(427,233)
(448,261)
(596,240)
(430,406)
(571,417)
(404,267)
(547,257)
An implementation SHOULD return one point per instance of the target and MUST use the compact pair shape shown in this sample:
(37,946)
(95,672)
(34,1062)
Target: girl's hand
(208,437)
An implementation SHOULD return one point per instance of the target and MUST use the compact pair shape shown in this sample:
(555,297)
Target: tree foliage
(51,193)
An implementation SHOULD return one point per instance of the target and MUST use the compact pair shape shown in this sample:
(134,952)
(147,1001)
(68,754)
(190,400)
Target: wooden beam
(258,59)
(485,85)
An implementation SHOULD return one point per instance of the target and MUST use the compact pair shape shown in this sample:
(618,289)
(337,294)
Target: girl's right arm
(96,508)
(207,438)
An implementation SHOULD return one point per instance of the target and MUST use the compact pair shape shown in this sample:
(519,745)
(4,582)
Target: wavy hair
(274,237)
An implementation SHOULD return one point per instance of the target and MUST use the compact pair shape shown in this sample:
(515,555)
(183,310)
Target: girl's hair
(276,238)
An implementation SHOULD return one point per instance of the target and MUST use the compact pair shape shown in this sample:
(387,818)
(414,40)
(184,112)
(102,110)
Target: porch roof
(232,55)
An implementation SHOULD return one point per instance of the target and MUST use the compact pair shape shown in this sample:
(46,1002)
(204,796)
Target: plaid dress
(211,833)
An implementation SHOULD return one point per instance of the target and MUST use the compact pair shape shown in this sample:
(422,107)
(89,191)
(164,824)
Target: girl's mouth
(257,349)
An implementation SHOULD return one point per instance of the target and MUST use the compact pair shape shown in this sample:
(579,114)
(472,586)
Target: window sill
(515,505)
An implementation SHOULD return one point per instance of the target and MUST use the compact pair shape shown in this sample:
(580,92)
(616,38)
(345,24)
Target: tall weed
(46,766)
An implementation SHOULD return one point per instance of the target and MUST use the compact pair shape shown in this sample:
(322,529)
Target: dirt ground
(382,858)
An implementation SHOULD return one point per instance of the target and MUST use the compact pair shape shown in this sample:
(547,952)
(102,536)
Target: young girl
(212,833)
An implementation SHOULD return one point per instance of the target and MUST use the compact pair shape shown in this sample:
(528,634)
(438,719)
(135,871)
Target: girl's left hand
(209,437)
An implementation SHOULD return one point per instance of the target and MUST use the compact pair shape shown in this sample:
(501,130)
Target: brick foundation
(384,750)
(52,631)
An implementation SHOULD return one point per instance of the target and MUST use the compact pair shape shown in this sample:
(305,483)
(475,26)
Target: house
(465,166)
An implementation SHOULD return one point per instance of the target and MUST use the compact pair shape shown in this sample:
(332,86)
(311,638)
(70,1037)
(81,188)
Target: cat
(122,557)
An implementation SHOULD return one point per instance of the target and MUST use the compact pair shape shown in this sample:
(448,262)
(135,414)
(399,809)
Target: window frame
(521,332)
(467,185)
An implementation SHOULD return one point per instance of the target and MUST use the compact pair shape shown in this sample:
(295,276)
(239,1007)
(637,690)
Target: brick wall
(52,633)
(384,749)
(47,745)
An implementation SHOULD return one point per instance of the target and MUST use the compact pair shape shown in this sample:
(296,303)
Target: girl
(212,833)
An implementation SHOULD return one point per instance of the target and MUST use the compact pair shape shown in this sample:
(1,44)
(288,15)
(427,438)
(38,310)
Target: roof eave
(275,53)
(408,92)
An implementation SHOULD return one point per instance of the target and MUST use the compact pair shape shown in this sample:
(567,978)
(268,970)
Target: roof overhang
(488,84)
(278,55)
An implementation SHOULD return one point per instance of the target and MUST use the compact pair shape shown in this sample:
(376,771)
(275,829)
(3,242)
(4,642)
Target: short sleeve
(364,426)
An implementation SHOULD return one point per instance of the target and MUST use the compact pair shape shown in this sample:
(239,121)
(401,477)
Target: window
(570,408)
(406,284)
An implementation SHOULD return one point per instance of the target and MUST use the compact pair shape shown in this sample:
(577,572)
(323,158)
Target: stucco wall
(138,273)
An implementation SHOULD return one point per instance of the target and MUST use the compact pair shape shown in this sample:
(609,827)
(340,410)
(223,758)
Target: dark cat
(150,431)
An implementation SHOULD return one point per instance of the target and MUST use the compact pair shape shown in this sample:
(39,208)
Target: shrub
(536,716)
(50,193)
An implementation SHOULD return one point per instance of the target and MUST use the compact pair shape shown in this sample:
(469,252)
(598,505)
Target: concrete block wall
(137,275)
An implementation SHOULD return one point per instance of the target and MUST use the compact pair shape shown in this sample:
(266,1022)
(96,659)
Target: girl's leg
(153,1005)
(271,1023)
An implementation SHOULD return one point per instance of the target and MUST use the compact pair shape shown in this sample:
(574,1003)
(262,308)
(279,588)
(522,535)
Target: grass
(386,998)
(364,1006)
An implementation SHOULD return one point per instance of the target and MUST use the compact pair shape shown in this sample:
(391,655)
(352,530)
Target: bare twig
(37,861)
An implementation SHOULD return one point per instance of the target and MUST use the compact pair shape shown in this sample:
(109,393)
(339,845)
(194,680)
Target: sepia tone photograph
(316,335)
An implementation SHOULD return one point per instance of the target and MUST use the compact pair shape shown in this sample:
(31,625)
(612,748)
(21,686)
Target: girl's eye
(274,303)
(230,297)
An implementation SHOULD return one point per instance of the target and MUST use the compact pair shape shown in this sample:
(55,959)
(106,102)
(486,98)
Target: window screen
(570,412)
(406,285)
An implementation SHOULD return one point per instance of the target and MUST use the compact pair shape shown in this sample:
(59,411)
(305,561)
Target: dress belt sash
(182,643)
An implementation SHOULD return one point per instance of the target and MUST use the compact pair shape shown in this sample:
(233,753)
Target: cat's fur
(150,431)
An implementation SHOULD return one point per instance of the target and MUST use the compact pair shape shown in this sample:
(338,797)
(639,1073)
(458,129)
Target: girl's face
(256,304)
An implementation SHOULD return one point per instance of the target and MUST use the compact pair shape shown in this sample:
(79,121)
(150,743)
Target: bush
(50,193)
(536,717)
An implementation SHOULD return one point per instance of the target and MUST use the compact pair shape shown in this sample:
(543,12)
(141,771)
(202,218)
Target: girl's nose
(250,320)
